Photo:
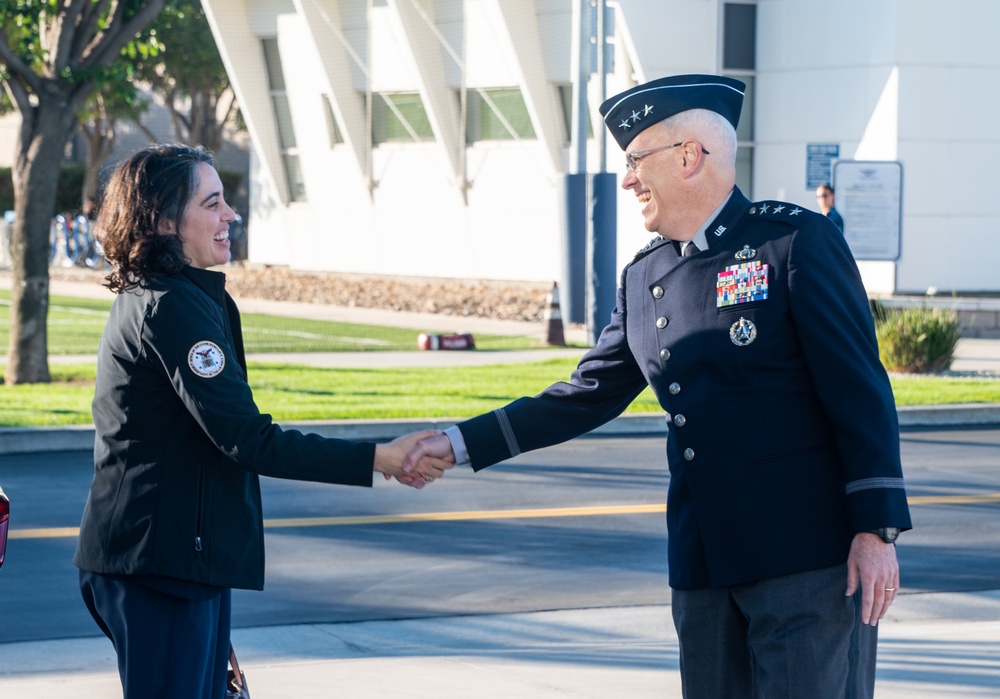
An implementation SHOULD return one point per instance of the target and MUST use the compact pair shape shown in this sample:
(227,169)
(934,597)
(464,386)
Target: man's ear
(692,157)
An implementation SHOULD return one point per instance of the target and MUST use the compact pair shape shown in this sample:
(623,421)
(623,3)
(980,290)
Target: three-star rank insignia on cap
(206,359)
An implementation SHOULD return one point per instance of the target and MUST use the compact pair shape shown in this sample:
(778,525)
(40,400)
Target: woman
(173,520)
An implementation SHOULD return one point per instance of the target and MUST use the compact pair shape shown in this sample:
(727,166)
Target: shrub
(916,340)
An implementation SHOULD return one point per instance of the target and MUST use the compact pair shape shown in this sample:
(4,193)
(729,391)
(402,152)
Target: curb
(26,440)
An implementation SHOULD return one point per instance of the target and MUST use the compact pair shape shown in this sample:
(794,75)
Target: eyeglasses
(632,159)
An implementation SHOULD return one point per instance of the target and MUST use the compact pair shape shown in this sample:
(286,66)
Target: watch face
(889,534)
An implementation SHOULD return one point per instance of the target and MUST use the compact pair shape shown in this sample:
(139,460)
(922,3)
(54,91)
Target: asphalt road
(575,526)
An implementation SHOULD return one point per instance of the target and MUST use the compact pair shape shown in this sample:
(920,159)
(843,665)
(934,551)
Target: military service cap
(640,107)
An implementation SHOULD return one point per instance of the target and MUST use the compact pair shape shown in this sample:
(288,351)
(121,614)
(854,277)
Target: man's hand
(389,460)
(872,565)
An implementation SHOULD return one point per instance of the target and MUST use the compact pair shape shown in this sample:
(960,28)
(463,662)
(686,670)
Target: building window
(497,114)
(744,168)
(739,60)
(399,116)
(332,130)
(283,119)
(739,46)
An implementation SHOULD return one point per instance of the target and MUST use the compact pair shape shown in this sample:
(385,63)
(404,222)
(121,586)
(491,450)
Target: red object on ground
(463,341)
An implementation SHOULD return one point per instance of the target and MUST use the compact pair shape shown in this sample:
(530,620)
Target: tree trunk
(36,170)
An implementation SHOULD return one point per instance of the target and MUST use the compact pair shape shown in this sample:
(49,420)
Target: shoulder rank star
(747,253)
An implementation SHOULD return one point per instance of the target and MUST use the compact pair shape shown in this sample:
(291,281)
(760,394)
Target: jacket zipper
(201,493)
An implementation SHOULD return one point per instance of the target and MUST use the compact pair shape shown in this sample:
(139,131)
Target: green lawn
(303,393)
(75,326)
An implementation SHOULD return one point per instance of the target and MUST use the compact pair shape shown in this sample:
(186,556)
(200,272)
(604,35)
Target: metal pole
(573,193)
(602,241)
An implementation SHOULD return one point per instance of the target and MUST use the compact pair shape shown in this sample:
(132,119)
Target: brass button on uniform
(657,292)
(661,322)
(674,388)
(680,420)
(689,454)
(664,354)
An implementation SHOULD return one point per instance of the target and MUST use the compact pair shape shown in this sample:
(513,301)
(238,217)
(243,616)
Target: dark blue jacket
(180,442)
(783,440)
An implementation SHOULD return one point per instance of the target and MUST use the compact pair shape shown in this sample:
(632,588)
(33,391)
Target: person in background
(751,325)
(825,197)
(173,520)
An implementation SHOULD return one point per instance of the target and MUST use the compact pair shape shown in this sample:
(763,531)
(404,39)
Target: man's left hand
(872,566)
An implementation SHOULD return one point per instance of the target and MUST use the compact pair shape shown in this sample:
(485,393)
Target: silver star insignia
(624,124)
(778,209)
(649,110)
(763,208)
(795,211)
(636,117)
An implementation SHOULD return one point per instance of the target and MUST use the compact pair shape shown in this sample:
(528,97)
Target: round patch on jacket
(206,359)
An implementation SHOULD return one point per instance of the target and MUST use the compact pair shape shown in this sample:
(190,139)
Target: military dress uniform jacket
(783,436)
(180,442)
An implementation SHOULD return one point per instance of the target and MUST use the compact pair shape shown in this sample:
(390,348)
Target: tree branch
(60,28)
(16,66)
(153,138)
(106,46)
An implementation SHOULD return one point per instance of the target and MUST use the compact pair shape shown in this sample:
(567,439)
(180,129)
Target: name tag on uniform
(742,283)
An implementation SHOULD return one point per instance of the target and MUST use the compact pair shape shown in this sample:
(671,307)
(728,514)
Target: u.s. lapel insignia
(747,253)
(743,332)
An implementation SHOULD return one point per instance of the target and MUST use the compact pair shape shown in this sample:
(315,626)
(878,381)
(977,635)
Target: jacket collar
(212,283)
(719,229)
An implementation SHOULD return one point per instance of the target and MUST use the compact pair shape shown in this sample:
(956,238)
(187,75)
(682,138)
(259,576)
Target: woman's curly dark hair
(147,188)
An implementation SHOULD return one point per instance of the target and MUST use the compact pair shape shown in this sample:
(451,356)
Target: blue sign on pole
(819,157)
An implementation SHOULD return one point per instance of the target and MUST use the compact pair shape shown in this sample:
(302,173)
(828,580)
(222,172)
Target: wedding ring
(890,589)
(429,478)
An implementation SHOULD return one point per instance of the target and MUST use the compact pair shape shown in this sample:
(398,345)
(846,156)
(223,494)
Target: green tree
(188,72)
(52,55)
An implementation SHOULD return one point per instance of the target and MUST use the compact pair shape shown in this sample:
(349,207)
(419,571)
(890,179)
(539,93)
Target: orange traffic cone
(553,319)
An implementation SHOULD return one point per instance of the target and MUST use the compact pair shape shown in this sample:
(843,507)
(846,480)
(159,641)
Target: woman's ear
(165,227)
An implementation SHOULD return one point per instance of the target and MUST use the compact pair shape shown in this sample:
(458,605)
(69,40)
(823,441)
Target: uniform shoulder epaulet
(778,211)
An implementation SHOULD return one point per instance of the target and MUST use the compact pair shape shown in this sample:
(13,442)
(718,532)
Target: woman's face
(204,225)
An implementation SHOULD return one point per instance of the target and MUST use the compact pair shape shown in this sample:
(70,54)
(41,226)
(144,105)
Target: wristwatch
(887,534)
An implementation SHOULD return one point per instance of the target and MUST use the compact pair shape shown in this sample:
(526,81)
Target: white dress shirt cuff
(458,446)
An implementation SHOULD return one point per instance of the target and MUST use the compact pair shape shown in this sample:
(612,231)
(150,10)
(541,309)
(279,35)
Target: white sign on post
(869,195)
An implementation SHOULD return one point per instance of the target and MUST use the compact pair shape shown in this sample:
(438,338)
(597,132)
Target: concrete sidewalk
(939,646)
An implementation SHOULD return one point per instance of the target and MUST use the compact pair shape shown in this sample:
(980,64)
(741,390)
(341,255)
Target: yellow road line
(400,519)
(470,515)
(596,511)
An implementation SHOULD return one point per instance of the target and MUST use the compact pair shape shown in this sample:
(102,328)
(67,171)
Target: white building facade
(431,137)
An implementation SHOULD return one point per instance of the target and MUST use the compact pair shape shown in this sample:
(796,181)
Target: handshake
(415,459)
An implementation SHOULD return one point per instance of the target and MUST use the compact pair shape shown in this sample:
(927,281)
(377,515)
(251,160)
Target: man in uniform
(825,197)
(750,323)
